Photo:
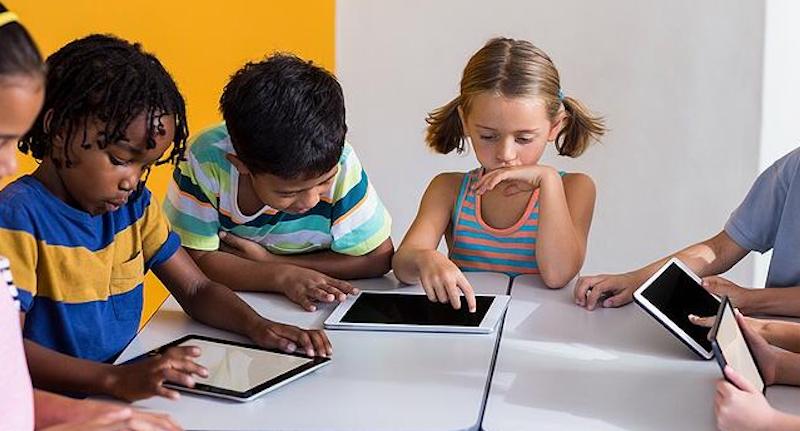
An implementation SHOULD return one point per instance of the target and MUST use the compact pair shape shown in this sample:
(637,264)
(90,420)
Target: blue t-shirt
(769,218)
(80,276)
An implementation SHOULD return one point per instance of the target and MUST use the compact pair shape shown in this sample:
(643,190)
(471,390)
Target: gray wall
(678,81)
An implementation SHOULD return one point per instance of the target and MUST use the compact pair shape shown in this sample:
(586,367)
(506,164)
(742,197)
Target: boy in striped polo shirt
(274,199)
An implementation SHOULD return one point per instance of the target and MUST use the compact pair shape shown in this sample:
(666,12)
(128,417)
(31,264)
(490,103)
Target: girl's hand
(740,406)
(145,378)
(519,178)
(443,281)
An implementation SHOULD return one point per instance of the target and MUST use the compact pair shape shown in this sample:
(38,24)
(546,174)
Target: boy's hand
(145,378)
(243,248)
(443,282)
(118,418)
(606,290)
(723,287)
(290,339)
(740,406)
(305,286)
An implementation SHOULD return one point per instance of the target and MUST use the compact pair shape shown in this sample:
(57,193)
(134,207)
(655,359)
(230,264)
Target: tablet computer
(670,296)
(731,348)
(409,311)
(240,371)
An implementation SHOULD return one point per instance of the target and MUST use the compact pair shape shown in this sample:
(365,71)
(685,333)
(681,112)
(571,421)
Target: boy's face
(102,180)
(293,196)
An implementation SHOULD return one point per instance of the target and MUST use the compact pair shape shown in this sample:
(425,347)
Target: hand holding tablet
(239,371)
(731,348)
(670,296)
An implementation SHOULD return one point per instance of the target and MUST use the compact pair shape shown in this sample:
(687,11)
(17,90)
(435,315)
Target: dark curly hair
(285,116)
(109,79)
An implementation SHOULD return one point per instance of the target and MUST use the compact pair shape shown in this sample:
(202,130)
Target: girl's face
(21,99)
(508,132)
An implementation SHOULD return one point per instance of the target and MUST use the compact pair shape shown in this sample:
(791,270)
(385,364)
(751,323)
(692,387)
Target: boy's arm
(54,371)
(712,256)
(373,264)
(214,304)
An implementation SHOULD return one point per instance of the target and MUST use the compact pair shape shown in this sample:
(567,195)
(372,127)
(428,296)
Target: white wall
(679,82)
(781,91)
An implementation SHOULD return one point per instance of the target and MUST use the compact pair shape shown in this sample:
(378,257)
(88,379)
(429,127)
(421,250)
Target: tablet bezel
(493,315)
(719,355)
(252,393)
(665,321)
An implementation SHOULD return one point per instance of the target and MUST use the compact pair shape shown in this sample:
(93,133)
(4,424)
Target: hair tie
(560,95)
(7,17)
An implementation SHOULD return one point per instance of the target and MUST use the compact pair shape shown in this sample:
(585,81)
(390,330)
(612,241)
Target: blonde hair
(514,68)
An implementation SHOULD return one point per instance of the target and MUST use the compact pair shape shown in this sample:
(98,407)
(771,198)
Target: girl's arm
(565,215)
(417,259)
(429,226)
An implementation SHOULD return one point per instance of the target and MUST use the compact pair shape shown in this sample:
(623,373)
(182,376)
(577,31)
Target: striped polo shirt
(476,246)
(202,201)
(79,277)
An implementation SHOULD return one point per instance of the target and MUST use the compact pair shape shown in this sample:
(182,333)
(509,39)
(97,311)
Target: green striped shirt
(201,201)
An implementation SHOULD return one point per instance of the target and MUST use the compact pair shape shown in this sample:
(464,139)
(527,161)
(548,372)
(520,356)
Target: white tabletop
(376,380)
(562,367)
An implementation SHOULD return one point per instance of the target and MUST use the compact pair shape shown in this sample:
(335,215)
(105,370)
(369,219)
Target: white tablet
(731,348)
(408,311)
(239,371)
(670,296)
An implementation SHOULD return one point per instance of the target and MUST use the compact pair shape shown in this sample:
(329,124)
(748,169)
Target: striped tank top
(476,246)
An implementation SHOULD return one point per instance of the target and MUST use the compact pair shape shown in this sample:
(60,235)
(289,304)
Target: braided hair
(105,78)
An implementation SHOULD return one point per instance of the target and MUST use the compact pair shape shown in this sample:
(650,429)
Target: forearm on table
(373,264)
(57,372)
(239,273)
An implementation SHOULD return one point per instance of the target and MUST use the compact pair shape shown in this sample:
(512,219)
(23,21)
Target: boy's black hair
(19,54)
(109,79)
(285,116)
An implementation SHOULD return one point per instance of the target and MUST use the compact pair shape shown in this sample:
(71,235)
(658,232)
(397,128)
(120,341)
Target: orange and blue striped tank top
(476,246)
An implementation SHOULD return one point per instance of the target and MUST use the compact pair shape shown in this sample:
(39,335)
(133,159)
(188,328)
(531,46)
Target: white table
(376,381)
(561,367)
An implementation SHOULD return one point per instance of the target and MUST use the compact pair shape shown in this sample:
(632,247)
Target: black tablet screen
(677,295)
(404,309)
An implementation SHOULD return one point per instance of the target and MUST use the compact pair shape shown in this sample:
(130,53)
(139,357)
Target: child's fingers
(738,380)
(335,293)
(341,285)
(167,393)
(179,377)
(320,293)
(705,322)
(156,421)
(322,346)
(469,293)
(428,288)
(182,352)
(441,292)
(295,335)
(453,294)
(594,294)
(617,298)
(581,287)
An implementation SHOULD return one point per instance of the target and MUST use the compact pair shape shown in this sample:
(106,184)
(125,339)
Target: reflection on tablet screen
(240,368)
(677,295)
(404,309)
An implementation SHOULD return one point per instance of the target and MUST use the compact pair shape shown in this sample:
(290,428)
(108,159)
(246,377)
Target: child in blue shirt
(82,230)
